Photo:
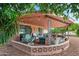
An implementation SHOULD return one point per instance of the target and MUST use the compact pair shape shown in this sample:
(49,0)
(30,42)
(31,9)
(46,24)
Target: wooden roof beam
(56,19)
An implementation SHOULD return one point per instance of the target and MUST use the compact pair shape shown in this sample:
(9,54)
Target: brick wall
(41,50)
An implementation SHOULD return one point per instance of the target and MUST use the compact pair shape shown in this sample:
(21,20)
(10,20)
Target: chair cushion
(27,38)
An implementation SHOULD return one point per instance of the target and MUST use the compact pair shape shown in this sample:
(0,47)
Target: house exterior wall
(34,27)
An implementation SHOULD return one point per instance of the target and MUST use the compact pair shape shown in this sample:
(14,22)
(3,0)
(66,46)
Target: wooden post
(68,32)
(49,33)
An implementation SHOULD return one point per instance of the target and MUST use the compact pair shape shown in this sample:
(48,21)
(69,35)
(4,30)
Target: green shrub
(58,30)
(77,32)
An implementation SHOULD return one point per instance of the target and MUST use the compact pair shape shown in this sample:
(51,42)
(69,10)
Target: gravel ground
(73,50)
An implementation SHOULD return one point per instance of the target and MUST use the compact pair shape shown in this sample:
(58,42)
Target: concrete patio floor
(73,50)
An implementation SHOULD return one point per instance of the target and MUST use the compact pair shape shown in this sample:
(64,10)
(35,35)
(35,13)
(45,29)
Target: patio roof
(41,19)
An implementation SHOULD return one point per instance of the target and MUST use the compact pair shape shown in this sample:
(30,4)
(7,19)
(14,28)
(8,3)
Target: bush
(58,30)
(77,32)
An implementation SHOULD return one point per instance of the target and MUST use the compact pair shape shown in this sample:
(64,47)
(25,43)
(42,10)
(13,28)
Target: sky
(37,8)
(73,18)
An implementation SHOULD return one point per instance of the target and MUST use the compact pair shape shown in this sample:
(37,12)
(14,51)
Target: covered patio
(40,26)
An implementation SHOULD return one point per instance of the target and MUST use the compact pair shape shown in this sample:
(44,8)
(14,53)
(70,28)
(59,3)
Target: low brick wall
(40,50)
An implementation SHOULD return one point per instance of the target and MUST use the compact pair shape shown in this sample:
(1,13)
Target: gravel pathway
(73,50)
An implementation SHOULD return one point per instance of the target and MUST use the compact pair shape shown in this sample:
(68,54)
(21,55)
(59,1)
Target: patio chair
(28,38)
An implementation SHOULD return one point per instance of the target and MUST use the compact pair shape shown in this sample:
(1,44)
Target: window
(25,29)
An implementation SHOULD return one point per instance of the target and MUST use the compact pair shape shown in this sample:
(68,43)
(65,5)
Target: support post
(49,33)
(68,32)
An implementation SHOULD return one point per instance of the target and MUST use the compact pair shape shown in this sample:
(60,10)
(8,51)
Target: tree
(9,14)
(73,27)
